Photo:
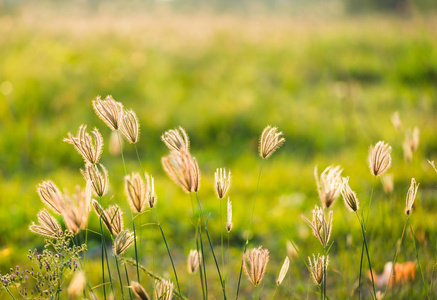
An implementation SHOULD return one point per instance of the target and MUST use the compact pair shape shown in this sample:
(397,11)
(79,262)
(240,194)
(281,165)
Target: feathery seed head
(222,182)
(283,271)
(320,226)
(163,289)
(77,285)
(229,224)
(270,141)
(75,209)
(183,170)
(255,264)
(329,185)
(349,196)
(51,196)
(387,183)
(48,226)
(136,192)
(151,194)
(109,111)
(411,196)
(176,140)
(317,267)
(123,241)
(194,261)
(111,217)
(115,144)
(90,149)
(130,127)
(415,138)
(379,158)
(396,120)
(139,291)
(97,176)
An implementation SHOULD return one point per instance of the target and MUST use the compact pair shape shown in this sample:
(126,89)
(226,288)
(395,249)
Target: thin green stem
(9,292)
(128,282)
(418,262)
(168,249)
(361,269)
(370,202)
(227,265)
(135,246)
(103,258)
(202,271)
(248,232)
(324,273)
(367,252)
(221,236)
(119,277)
(210,245)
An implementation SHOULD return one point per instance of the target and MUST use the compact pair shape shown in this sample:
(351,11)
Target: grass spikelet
(163,289)
(379,158)
(349,196)
(317,267)
(122,242)
(222,182)
(387,183)
(329,185)
(90,149)
(77,285)
(111,217)
(130,127)
(109,111)
(151,194)
(194,261)
(76,209)
(270,141)
(283,272)
(139,291)
(177,140)
(183,170)
(229,224)
(51,196)
(255,264)
(396,121)
(97,176)
(136,193)
(411,196)
(320,226)
(48,226)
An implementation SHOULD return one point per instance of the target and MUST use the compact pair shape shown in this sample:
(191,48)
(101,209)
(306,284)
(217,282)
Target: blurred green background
(329,74)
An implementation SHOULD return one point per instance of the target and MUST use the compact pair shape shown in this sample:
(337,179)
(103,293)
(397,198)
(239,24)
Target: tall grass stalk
(9,292)
(119,277)
(250,227)
(103,258)
(417,258)
(227,266)
(210,244)
(221,236)
(128,282)
(199,247)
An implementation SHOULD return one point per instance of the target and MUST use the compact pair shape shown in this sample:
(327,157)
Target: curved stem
(418,262)
(119,277)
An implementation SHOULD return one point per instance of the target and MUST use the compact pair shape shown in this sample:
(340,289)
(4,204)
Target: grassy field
(330,84)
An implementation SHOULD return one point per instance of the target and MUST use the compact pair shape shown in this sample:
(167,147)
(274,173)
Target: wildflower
(183,170)
(222,182)
(379,158)
(109,111)
(255,264)
(85,145)
(47,226)
(76,209)
(320,226)
(317,267)
(130,126)
(136,192)
(349,196)
(387,183)
(329,185)
(411,196)
(283,271)
(139,291)
(122,242)
(177,140)
(99,182)
(229,216)
(50,196)
(163,289)
(270,141)
(194,261)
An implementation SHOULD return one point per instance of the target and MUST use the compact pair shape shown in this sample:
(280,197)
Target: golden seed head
(109,111)
(163,289)
(136,192)
(269,141)
(151,194)
(139,291)
(317,267)
(51,196)
(387,183)
(115,144)
(97,176)
(48,226)
(111,217)
(283,271)
(76,209)
(411,196)
(379,158)
(77,285)
(320,226)
(123,241)
(130,127)
(194,261)
(222,182)
(176,140)
(415,138)
(329,185)
(229,224)
(183,170)
(396,120)
(349,196)
(90,149)
(255,264)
